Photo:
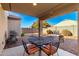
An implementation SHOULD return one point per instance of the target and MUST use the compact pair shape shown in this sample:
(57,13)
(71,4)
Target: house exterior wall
(3,29)
(14,25)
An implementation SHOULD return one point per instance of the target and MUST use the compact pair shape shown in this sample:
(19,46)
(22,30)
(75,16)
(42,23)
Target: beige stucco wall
(49,28)
(3,28)
(72,29)
(14,25)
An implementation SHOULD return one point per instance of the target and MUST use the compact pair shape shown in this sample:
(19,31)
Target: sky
(27,21)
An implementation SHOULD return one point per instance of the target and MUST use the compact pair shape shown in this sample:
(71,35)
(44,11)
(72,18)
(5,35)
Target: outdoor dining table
(43,41)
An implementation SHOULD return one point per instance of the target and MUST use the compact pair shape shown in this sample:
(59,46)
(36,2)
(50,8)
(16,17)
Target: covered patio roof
(41,10)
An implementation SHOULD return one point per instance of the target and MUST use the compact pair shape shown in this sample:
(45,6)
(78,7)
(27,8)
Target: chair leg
(57,53)
(24,53)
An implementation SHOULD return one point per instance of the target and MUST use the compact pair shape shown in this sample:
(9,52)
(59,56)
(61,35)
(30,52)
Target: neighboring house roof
(12,17)
(67,22)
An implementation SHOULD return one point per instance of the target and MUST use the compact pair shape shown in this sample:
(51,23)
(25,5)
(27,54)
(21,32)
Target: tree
(45,24)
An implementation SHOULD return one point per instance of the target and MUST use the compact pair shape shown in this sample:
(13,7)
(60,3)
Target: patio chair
(29,49)
(49,49)
(61,38)
(54,43)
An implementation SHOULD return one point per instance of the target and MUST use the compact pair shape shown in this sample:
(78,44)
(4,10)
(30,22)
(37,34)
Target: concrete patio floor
(19,50)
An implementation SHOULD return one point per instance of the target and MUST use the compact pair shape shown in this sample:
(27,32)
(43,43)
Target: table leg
(39,51)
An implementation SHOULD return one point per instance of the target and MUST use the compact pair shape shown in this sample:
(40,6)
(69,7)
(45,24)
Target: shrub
(66,33)
(13,33)
(49,32)
(55,32)
(22,34)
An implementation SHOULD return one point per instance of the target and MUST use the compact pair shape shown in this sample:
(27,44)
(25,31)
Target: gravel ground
(70,45)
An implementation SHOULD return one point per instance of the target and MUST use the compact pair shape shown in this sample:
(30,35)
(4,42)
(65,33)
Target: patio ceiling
(41,10)
(28,8)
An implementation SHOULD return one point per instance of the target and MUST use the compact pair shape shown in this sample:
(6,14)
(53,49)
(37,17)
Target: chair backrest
(55,41)
(61,38)
(25,47)
(24,44)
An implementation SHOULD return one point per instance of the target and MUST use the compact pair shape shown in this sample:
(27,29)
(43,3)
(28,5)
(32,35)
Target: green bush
(66,33)
(22,34)
(49,32)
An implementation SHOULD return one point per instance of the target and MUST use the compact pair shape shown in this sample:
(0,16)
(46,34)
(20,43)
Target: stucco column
(3,28)
(39,32)
(40,28)
(78,31)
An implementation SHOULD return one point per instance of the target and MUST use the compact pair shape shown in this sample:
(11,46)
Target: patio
(69,45)
(17,49)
